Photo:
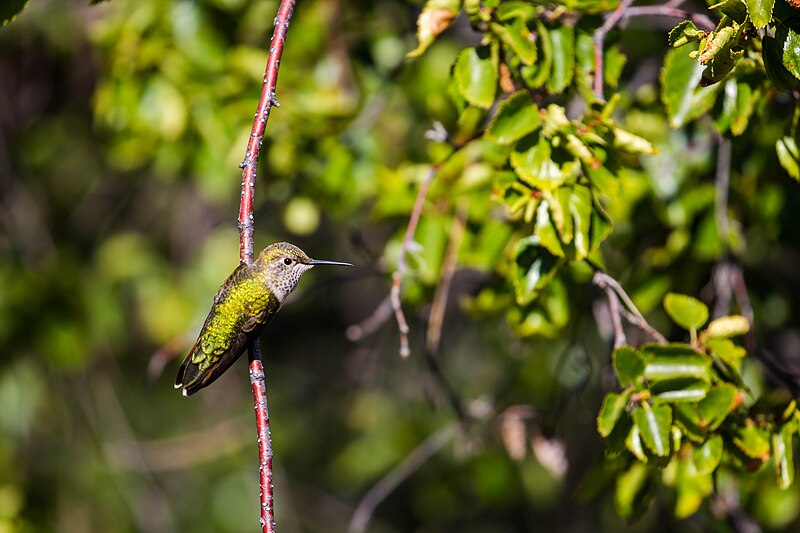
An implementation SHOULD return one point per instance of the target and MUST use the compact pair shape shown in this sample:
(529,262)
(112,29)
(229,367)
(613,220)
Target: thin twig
(249,165)
(722,184)
(439,305)
(402,266)
(701,21)
(632,313)
(382,313)
(599,38)
(625,11)
(614,310)
(418,456)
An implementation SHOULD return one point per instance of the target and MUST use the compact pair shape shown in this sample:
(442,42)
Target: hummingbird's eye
(287,261)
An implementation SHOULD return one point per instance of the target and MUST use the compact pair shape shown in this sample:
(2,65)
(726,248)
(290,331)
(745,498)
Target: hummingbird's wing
(242,308)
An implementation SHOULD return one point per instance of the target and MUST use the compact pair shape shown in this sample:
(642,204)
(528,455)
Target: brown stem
(402,266)
(623,12)
(629,312)
(249,165)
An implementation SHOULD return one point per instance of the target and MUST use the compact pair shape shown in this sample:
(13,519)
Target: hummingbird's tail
(190,378)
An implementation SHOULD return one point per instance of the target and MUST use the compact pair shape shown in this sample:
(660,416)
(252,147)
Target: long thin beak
(324,262)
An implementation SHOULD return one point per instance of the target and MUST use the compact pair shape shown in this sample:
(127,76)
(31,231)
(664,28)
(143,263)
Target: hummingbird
(242,308)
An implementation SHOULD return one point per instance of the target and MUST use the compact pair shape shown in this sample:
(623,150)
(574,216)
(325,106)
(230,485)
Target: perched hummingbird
(243,306)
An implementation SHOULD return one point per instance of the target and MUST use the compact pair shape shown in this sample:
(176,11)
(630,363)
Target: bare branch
(402,265)
(439,305)
(249,165)
(418,457)
(631,314)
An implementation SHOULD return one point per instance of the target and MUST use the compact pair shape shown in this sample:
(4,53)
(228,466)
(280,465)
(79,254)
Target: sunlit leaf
(679,390)
(562,40)
(516,117)
(436,16)
(610,412)
(475,72)
(654,425)
(783,455)
(628,365)
(684,33)
(680,88)
(708,456)
(687,312)
(534,265)
(717,405)
(518,38)
(531,160)
(789,156)
(728,326)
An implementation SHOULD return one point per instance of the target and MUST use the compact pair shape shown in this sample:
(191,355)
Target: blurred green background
(121,129)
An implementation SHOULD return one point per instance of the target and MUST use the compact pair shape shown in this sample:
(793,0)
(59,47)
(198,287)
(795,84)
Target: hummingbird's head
(283,263)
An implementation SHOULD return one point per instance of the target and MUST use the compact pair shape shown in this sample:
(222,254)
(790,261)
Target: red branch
(249,165)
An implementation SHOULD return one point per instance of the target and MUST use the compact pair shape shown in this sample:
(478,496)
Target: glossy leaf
(680,390)
(661,368)
(518,38)
(530,158)
(728,326)
(628,365)
(654,424)
(534,265)
(760,11)
(516,117)
(680,88)
(562,40)
(580,209)
(707,457)
(776,58)
(475,73)
(610,412)
(687,312)
(717,405)
(789,156)
(783,455)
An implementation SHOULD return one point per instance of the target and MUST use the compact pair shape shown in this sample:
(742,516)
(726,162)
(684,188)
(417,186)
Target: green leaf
(654,424)
(680,91)
(789,156)
(633,144)
(516,117)
(545,231)
(684,33)
(760,11)
(752,442)
(632,493)
(534,265)
(717,405)
(687,418)
(728,326)
(661,368)
(726,350)
(791,49)
(707,457)
(475,73)
(517,37)
(679,390)
(562,40)
(783,455)
(778,56)
(580,208)
(610,412)
(9,9)
(628,365)
(530,158)
(436,16)
(687,312)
